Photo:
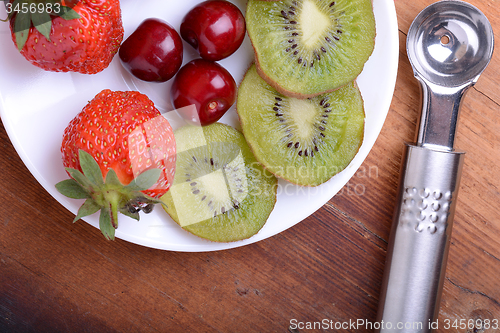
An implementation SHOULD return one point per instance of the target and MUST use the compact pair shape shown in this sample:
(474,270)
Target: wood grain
(56,276)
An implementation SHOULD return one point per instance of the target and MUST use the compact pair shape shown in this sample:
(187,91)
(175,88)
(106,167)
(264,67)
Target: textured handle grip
(419,242)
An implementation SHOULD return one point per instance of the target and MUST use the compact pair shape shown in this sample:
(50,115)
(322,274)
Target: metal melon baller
(449,44)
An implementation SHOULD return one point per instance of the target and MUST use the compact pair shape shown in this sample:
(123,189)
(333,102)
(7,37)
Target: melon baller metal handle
(449,44)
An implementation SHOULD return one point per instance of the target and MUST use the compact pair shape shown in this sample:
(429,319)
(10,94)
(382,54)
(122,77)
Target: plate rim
(207,246)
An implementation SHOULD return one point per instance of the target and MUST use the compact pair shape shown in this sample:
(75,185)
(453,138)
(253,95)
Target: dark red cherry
(215,28)
(206,85)
(153,52)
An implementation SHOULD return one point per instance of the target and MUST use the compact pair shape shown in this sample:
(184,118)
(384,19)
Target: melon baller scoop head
(449,44)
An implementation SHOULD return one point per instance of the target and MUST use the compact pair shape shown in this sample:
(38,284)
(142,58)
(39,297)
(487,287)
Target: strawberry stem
(113,198)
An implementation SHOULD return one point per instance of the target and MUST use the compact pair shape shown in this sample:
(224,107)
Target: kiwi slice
(305,141)
(305,48)
(220,192)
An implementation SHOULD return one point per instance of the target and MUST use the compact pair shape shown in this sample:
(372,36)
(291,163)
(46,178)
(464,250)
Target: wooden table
(56,276)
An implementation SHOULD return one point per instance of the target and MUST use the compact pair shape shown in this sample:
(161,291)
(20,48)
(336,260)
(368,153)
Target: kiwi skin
(279,88)
(274,59)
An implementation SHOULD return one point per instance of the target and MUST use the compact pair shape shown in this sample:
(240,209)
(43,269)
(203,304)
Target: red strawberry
(120,154)
(56,35)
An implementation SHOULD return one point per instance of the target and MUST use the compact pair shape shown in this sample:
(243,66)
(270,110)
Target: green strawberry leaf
(90,168)
(126,212)
(150,200)
(68,14)
(89,207)
(112,179)
(42,23)
(72,189)
(110,196)
(105,225)
(80,178)
(145,180)
(22,28)
(11,9)
(39,13)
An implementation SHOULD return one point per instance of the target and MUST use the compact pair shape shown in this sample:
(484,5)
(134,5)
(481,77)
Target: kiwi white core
(303,113)
(215,185)
(314,23)
(212,183)
(218,187)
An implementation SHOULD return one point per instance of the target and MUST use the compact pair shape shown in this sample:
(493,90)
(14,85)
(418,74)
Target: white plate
(36,106)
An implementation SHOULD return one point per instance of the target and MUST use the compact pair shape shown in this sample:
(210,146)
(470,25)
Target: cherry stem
(212,105)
